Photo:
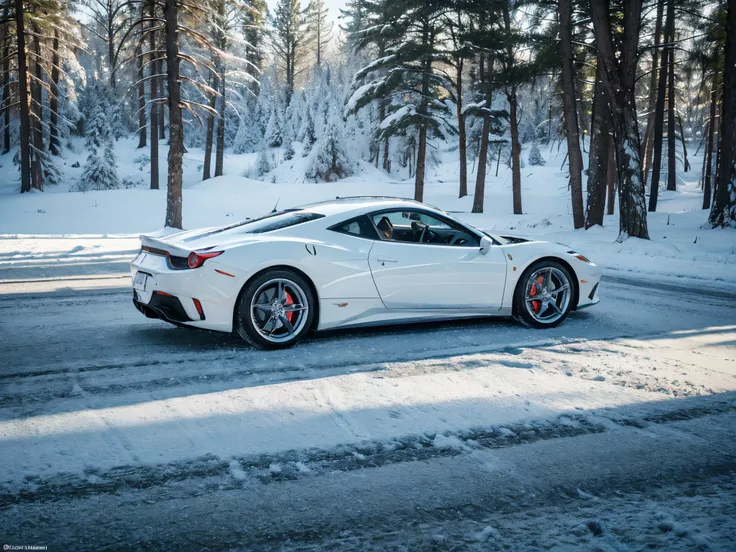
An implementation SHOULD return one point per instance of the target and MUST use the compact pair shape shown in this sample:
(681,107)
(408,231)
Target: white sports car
(354,262)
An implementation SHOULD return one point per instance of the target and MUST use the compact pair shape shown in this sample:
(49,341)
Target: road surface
(615,431)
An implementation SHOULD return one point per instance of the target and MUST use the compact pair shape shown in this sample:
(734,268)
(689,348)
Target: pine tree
(254,22)
(355,17)
(723,212)
(408,72)
(263,163)
(309,136)
(572,130)
(273,137)
(330,161)
(100,169)
(618,62)
(319,28)
(288,38)
(535,156)
(248,137)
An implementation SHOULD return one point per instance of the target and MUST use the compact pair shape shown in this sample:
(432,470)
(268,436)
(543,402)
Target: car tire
(273,317)
(555,301)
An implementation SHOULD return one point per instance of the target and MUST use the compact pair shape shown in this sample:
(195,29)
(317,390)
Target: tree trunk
(653,80)
(155,65)
(620,79)
(162,107)
(25,118)
(462,134)
(37,111)
(685,162)
(386,158)
(289,61)
(423,110)
(54,143)
(671,134)
(600,141)
(611,178)
(176,130)
(723,212)
(515,151)
(206,173)
(514,122)
(6,85)
(319,37)
(571,117)
(462,131)
(659,124)
(220,152)
(142,125)
(111,50)
(480,177)
(708,178)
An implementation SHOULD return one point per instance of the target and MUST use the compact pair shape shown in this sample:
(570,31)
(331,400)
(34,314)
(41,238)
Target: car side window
(410,226)
(360,227)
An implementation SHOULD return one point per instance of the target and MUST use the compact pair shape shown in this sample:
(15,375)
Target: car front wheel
(275,310)
(544,294)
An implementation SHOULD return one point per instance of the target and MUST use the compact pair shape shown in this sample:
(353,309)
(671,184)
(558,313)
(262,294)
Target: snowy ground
(615,431)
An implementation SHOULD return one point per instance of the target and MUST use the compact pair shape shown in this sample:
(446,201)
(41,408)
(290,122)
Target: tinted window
(280,221)
(253,223)
(410,226)
(360,227)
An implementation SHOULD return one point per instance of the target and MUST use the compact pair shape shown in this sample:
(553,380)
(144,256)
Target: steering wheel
(420,230)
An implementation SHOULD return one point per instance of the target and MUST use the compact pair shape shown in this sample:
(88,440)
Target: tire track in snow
(310,463)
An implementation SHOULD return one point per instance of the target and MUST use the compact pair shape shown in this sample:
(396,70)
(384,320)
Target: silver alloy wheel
(547,295)
(279,310)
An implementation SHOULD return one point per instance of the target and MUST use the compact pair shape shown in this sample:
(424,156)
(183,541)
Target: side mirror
(485,244)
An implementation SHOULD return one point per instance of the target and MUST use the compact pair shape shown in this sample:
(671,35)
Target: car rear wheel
(544,295)
(275,310)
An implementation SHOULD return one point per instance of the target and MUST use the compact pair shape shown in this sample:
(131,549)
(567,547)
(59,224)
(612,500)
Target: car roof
(363,204)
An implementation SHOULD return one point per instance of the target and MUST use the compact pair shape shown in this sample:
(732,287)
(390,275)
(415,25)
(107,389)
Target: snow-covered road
(615,430)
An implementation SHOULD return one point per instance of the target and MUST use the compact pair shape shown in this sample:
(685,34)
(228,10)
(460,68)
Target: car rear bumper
(199,298)
(165,307)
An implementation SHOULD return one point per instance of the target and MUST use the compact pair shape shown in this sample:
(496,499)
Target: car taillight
(197,259)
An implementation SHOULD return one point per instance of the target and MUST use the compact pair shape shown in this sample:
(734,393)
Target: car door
(415,275)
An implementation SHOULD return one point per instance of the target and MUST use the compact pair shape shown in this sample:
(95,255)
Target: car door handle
(380,260)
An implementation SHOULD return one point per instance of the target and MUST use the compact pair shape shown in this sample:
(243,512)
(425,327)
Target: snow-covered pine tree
(293,117)
(289,153)
(372,36)
(248,137)
(263,163)
(535,156)
(273,137)
(355,20)
(329,161)
(309,137)
(100,169)
(408,72)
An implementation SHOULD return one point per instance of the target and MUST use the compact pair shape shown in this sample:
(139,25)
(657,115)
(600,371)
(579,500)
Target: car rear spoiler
(164,246)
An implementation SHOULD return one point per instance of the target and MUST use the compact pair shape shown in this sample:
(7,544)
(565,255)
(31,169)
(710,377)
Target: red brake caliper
(289,301)
(536,305)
